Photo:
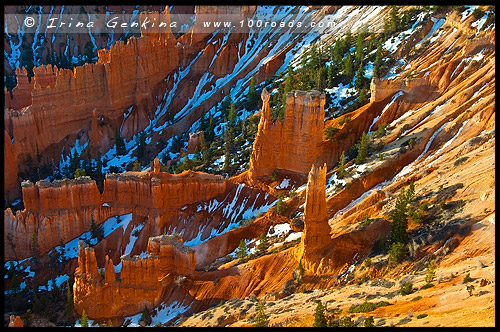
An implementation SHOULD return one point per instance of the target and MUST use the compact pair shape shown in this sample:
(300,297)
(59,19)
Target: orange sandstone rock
(291,144)
(316,234)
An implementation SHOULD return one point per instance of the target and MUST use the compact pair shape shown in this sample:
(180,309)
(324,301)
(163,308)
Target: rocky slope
(177,245)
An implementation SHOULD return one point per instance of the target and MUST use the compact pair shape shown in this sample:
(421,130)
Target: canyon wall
(142,280)
(291,144)
(63,210)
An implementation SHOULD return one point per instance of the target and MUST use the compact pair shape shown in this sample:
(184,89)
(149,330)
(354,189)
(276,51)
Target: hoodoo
(291,144)
(316,235)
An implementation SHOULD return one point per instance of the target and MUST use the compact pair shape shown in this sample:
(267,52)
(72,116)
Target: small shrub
(396,251)
(381,129)
(416,298)
(426,286)
(431,272)
(369,322)
(274,176)
(467,278)
(346,322)
(330,132)
(442,205)
(406,289)
(470,289)
(422,316)
(367,220)
(367,306)
(367,262)
(411,143)
(292,193)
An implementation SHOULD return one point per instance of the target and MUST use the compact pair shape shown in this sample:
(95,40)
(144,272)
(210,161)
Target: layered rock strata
(142,280)
(62,210)
(291,144)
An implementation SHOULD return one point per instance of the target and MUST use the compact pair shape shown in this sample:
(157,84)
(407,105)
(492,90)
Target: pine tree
(399,218)
(281,205)
(227,148)
(341,166)
(231,114)
(330,76)
(378,59)
(431,272)
(360,77)
(120,144)
(84,321)
(140,142)
(263,244)
(241,251)
(348,70)
(261,318)
(359,50)
(290,83)
(137,166)
(68,310)
(362,149)
(319,316)
(410,194)
(211,129)
(252,95)
(369,322)
(79,173)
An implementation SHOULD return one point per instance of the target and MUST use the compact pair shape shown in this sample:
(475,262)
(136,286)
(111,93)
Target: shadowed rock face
(291,144)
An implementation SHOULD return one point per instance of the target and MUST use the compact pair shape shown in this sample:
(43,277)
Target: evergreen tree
(290,83)
(378,59)
(261,318)
(98,172)
(281,205)
(79,173)
(321,78)
(348,69)
(399,218)
(263,244)
(137,166)
(359,50)
(369,322)
(360,77)
(394,19)
(120,144)
(341,172)
(227,149)
(68,310)
(319,316)
(211,129)
(303,77)
(410,194)
(242,251)
(252,95)
(231,114)
(431,272)
(140,141)
(362,149)
(84,321)
(330,76)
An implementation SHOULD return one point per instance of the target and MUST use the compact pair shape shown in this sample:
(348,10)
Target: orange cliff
(291,144)
(128,74)
(63,210)
(142,281)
